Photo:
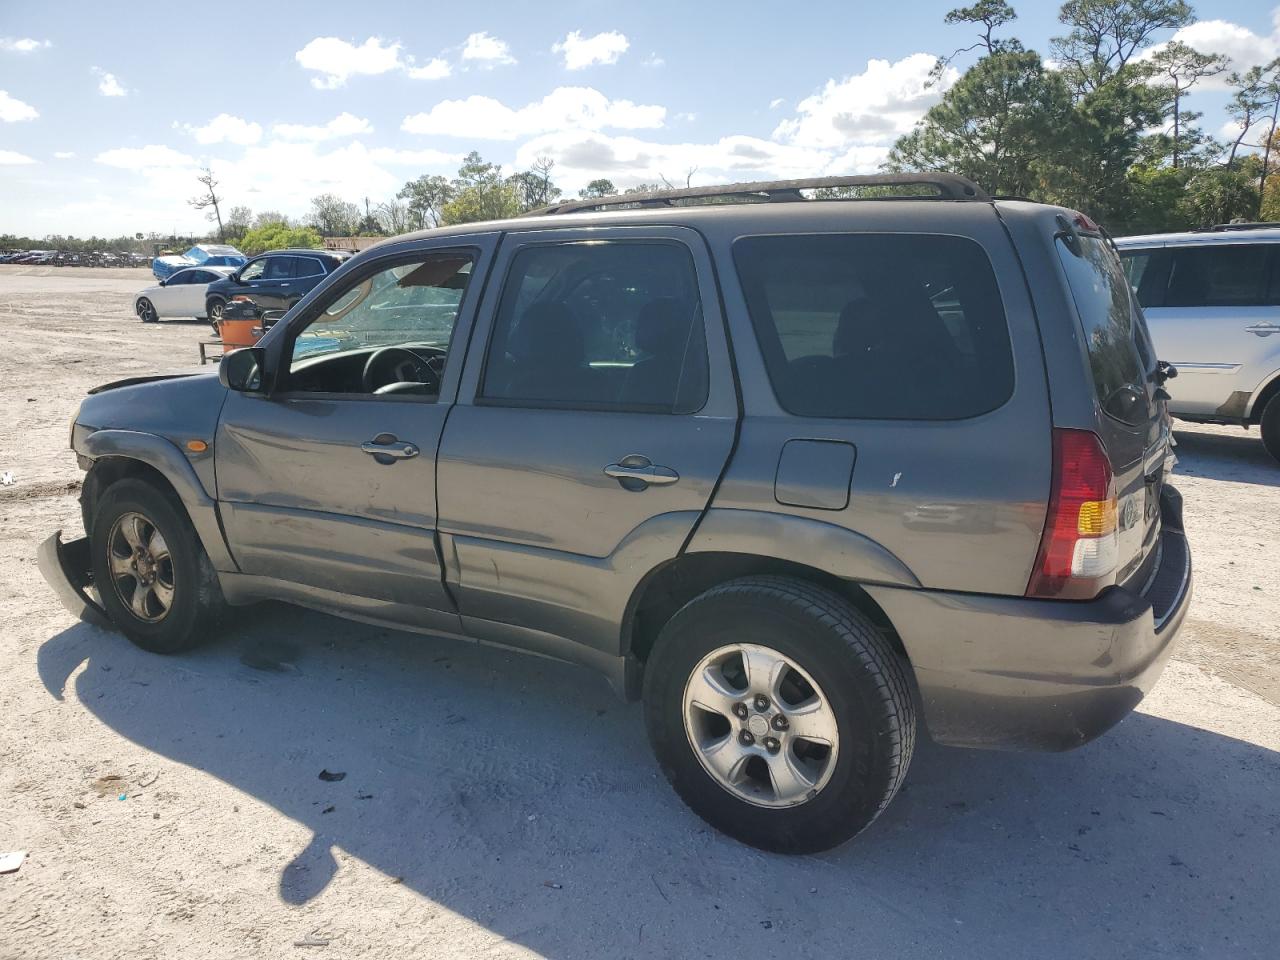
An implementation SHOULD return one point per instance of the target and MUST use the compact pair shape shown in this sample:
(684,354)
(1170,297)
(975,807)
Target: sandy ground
(502,806)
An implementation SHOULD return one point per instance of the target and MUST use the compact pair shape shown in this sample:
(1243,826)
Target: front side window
(614,324)
(1230,275)
(254,270)
(385,333)
(878,326)
(179,279)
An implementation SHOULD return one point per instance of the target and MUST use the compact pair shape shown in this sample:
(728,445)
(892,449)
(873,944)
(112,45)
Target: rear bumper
(1023,674)
(65,566)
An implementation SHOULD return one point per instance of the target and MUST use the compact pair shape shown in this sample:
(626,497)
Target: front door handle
(1263,329)
(385,448)
(636,473)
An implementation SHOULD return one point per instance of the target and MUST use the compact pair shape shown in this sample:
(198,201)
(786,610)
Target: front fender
(811,543)
(164,456)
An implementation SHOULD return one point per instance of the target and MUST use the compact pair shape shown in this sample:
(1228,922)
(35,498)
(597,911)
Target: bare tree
(688,179)
(393,216)
(209,199)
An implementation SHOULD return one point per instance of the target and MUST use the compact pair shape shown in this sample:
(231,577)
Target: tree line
(480,191)
(1104,124)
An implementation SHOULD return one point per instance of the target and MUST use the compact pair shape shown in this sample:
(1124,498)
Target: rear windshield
(1114,333)
(878,326)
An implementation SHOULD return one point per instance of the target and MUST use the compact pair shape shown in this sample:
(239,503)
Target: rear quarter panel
(961,503)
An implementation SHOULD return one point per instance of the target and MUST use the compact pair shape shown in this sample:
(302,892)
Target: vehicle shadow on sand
(478,776)
(1238,456)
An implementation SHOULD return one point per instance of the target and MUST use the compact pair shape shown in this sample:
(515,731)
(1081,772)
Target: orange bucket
(239,333)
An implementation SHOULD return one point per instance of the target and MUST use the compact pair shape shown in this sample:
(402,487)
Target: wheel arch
(118,454)
(1265,394)
(668,587)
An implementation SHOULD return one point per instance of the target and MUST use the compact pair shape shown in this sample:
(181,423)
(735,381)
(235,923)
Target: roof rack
(948,186)
(1226,227)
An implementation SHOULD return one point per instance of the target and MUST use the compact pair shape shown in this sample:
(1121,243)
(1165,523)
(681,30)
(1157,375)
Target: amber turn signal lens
(197,446)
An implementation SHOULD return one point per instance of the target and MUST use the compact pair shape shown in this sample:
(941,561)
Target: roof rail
(948,187)
(1226,227)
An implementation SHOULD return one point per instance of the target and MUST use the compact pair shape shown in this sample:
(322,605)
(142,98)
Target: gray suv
(794,471)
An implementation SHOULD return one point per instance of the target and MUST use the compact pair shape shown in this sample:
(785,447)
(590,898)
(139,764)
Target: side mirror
(164,282)
(234,276)
(241,370)
(269,318)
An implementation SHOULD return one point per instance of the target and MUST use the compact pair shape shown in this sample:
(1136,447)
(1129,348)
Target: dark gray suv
(795,471)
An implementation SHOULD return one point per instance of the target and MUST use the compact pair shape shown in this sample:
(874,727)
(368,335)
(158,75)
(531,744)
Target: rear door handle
(1263,329)
(636,472)
(385,448)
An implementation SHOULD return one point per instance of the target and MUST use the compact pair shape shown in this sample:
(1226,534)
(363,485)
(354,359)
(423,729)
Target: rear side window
(307,267)
(1233,275)
(1114,334)
(605,325)
(878,326)
(278,268)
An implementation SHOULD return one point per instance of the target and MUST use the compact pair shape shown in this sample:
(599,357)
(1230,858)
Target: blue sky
(106,114)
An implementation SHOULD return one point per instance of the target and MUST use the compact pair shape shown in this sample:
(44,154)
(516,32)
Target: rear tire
(1270,426)
(151,571)
(146,310)
(836,664)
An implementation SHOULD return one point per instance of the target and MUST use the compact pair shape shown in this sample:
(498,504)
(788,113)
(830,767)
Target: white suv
(1212,302)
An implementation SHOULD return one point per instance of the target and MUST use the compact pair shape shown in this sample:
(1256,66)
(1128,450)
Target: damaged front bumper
(66,568)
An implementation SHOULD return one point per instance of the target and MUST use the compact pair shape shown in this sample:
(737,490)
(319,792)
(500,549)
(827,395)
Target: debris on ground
(313,939)
(328,809)
(553,885)
(328,777)
(7,479)
(108,785)
(10,862)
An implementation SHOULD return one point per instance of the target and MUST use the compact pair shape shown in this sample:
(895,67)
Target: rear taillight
(1079,552)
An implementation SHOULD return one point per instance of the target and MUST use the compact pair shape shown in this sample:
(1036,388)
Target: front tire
(1269,426)
(151,571)
(779,713)
(146,310)
(213,311)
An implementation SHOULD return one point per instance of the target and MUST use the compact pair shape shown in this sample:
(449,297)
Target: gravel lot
(502,806)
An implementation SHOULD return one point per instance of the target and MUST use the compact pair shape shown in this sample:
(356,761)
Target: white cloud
(152,157)
(565,108)
(581,52)
(337,60)
(776,102)
(343,125)
(433,69)
(628,160)
(653,60)
(415,158)
(875,106)
(109,84)
(22,44)
(1241,46)
(486,51)
(12,109)
(12,158)
(686,117)
(225,128)
(64,155)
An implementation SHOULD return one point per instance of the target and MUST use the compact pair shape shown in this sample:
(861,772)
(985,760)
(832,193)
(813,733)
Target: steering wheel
(400,370)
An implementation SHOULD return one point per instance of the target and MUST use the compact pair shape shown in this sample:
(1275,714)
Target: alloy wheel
(760,725)
(141,567)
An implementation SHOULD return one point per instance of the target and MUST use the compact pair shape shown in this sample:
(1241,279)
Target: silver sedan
(180,295)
